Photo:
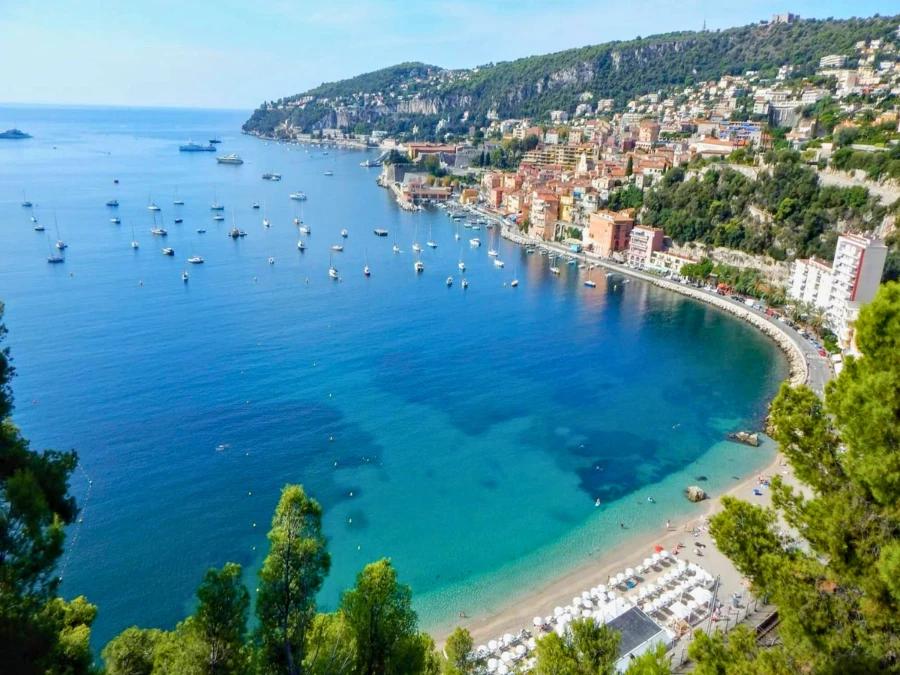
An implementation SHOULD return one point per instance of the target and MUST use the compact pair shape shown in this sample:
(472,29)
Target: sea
(464,434)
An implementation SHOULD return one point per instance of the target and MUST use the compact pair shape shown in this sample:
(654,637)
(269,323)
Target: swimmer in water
(651,500)
(597,503)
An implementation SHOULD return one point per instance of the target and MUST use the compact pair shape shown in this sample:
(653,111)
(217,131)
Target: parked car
(821,352)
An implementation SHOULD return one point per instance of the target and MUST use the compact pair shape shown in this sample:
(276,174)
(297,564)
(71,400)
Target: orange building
(609,231)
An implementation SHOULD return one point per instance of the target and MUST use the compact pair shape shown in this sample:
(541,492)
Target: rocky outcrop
(695,493)
(745,437)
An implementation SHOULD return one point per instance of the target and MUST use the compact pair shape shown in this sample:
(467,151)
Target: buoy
(249,493)
(335,463)
(329,395)
(351,520)
(254,524)
(359,548)
(314,365)
(330,439)
(254,548)
(351,494)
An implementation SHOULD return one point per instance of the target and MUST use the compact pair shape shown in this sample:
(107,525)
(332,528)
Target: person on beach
(668,525)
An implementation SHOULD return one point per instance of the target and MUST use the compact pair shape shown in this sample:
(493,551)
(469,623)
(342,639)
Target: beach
(630,554)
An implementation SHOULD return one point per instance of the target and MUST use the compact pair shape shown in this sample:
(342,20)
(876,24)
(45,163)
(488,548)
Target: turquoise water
(474,429)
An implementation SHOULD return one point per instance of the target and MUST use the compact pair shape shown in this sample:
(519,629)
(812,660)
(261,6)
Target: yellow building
(468,196)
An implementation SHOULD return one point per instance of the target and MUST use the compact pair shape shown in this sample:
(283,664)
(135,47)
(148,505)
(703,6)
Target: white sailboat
(590,283)
(366,270)
(60,244)
(553,268)
(396,248)
(177,201)
(332,270)
(150,205)
(216,206)
(134,243)
(416,246)
(515,280)
(462,265)
(457,231)
(430,243)
(266,222)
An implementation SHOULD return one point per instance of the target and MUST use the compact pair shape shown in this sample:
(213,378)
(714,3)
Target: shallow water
(473,428)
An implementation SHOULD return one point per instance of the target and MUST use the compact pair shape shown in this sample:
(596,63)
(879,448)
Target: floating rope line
(78,523)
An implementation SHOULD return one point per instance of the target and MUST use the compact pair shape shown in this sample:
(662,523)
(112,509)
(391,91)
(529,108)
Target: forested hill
(535,85)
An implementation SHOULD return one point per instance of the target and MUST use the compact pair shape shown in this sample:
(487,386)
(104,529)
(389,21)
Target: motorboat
(419,266)
(158,231)
(229,159)
(184,276)
(179,220)
(381,232)
(475,241)
(190,146)
(498,262)
(56,258)
(465,284)
(271,176)
(201,230)
(332,270)
(112,202)
(38,228)
(344,233)
(254,205)
(195,260)
(329,172)
(299,196)
(514,283)
(590,283)
(337,247)
(271,261)
(218,217)
(115,221)
(449,281)
(168,251)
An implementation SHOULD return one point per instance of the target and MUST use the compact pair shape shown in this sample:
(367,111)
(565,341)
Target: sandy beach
(560,591)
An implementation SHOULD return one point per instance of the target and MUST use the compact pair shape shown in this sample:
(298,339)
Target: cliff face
(535,85)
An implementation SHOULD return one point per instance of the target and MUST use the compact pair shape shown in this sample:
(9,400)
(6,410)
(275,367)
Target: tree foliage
(834,574)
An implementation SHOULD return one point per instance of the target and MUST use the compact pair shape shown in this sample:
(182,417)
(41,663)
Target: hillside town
(579,181)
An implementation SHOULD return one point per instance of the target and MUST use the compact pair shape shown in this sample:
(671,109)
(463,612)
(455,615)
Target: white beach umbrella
(585,614)
(679,610)
(682,566)
(548,620)
(521,649)
(620,578)
(655,558)
(560,629)
(701,595)
(601,588)
(492,665)
(629,572)
(558,611)
(492,645)
(585,595)
(506,657)
(502,669)
(611,595)
(594,591)
(539,637)
(648,562)
(508,638)
(576,602)
(587,604)
(482,650)
(691,605)
(532,643)
(538,621)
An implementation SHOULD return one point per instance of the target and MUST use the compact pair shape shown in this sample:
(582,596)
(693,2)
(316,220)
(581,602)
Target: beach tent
(701,595)
(679,610)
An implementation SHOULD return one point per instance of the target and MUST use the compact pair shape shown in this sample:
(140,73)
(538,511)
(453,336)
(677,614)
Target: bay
(463,434)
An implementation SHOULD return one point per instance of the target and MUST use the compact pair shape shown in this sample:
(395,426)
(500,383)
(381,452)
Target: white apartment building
(832,61)
(843,287)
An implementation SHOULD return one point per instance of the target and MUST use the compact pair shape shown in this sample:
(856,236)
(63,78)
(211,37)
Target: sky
(236,54)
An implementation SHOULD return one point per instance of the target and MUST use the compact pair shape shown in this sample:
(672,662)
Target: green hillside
(535,85)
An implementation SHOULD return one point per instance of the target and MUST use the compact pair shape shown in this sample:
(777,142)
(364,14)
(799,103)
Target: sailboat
(493,252)
(235,232)
(366,269)
(515,280)
(157,230)
(332,270)
(25,203)
(134,243)
(60,244)
(589,282)
(553,268)
(216,206)
(396,248)
(55,257)
(266,222)
(177,201)
(430,243)
(150,205)
(456,236)
(462,265)
(416,246)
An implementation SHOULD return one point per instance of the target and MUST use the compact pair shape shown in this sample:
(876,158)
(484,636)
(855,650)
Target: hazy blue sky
(233,53)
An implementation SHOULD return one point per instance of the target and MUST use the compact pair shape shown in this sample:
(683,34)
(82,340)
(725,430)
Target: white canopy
(576,602)
(691,605)
(585,595)
(701,595)
(655,558)
(602,588)
(651,589)
(585,614)
(679,610)
(482,649)
(665,554)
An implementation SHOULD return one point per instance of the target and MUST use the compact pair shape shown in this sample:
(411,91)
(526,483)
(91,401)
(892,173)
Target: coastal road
(818,368)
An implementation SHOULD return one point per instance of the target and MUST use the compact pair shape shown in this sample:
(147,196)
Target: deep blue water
(474,429)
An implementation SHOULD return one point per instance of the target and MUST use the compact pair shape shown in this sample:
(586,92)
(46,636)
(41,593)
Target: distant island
(14,134)
(432,102)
